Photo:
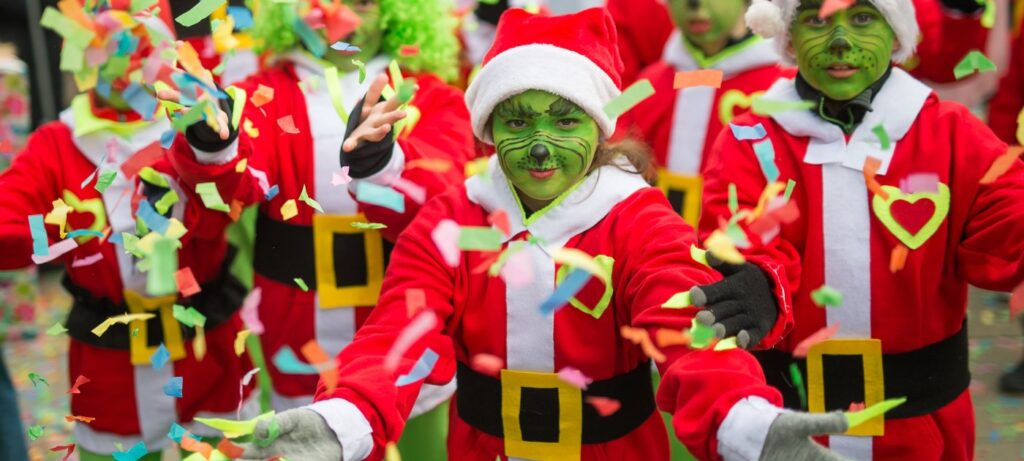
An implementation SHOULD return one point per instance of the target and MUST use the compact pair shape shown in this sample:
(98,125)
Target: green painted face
(369,37)
(545,144)
(708,24)
(844,54)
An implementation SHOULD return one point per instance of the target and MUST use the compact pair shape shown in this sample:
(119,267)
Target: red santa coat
(1008,101)
(309,159)
(483,315)
(681,125)
(838,241)
(128,401)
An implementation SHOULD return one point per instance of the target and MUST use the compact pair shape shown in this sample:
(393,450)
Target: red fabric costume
(127,400)
(838,241)
(309,158)
(1008,101)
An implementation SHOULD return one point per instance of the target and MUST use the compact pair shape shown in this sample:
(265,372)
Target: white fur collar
(753,55)
(580,210)
(896,107)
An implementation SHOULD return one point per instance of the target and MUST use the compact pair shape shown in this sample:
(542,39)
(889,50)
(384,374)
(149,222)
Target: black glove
(202,137)
(963,6)
(741,305)
(367,158)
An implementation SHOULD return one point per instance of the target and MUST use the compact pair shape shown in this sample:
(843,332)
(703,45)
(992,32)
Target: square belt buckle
(326,231)
(870,351)
(139,343)
(567,443)
(683,193)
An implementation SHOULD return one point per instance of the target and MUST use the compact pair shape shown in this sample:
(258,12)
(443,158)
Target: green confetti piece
(406,91)
(301,283)
(768,107)
(734,201)
(163,264)
(135,332)
(726,344)
(139,5)
(396,73)
(36,379)
(362,69)
(56,329)
(234,429)
(700,335)
(273,430)
(633,95)
(368,225)
(699,255)
(305,198)
(188,316)
(105,179)
(790,185)
(827,296)
(472,238)
(798,382)
(34,432)
(73,32)
(169,198)
(883,136)
(238,98)
(974,61)
(678,301)
(988,18)
(151,176)
(200,11)
(115,67)
(211,197)
(334,90)
(860,417)
(190,117)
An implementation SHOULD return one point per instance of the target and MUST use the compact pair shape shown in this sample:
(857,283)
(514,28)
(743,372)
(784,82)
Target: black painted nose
(840,44)
(539,153)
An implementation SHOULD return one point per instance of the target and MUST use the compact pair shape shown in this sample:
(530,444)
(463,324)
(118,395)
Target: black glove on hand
(964,6)
(367,158)
(204,138)
(742,305)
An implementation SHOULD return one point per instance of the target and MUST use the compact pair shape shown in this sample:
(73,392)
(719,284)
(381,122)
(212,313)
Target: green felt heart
(606,262)
(912,239)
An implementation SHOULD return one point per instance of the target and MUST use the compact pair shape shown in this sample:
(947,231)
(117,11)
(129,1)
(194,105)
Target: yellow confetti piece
(699,255)
(199,343)
(722,247)
(250,130)
(234,429)
(476,167)
(726,344)
(391,452)
(123,318)
(240,342)
(1020,127)
(289,210)
(241,165)
(576,258)
(678,301)
(59,216)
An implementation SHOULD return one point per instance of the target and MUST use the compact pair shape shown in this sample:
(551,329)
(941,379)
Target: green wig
(429,24)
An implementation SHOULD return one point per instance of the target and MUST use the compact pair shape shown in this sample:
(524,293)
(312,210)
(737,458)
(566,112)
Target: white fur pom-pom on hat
(765,19)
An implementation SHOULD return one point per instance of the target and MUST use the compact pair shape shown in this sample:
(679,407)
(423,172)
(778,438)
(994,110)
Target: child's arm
(1008,101)
(950,29)
(28,188)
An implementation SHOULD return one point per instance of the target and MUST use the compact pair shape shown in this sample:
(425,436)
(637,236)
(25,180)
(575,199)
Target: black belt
(479,396)
(930,377)
(218,301)
(285,252)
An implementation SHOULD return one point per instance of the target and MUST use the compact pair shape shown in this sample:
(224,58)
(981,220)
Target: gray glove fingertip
(719,330)
(698,297)
(743,339)
(706,317)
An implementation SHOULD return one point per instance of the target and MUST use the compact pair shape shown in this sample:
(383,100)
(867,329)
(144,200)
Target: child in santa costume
(121,210)
(681,125)
(556,194)
(896,211)
(949,28)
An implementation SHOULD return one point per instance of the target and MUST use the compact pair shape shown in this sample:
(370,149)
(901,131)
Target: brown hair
(636,152)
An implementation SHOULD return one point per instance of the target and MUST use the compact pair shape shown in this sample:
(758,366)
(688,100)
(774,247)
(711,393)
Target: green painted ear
(912,218)
(606,263)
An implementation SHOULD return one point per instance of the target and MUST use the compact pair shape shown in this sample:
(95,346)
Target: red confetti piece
(821,335)
(604,405)
(830,7)
(229,449)
(500,220)
(81,380)
(69,448)
(187,284)
(409,50)
(145,157)
(287,124)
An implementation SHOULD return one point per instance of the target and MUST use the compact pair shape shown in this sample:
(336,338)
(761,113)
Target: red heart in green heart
(912,216)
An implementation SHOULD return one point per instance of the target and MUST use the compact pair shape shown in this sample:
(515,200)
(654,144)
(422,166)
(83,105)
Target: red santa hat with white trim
(575,56)
(773,19)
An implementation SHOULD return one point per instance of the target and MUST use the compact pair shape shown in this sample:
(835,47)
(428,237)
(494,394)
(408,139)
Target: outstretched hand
(294,434)
(377,117)
(789,437)
(741,305)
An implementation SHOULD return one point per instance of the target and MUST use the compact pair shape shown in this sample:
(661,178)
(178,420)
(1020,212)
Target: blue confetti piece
(153,220)
(242,17)
(565,291)
(765,152)
(134,453)
(116,238)
(345,48)
(746,133)
(127,43)
(103,88)
(173,387)
(287,362)
(177,433)
(40,243)
(210,89)
(419,371)
(373,194)
(160,357)
(140,101)
(272,192)
(167,138)
(84,232)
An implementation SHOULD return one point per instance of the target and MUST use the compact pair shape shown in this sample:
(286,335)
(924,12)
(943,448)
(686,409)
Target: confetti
(134,453)
(305,198)
(173,387)
(699,255)
(289,209)
(920,182)
(1002,164)
(123,319)
(565,291)
(629,98)
(287,362)
(667,338)
(768,107)
(202,10)
(235,429)
(346,49)
(69,448)
(883,136)
(604,405)
(56,329)
(301,283)
(368,225)
(473,238)
(409,50)
(974,61)
(229,449)
(146,156)
(490,365)
(416,329)
(765,152)
(701,336)
(55,251)
(34,432)
(747,133)
(160,357)
(871,166)
(446,239)
(421,370)
(83,419)
(821,335)
(415,192)
(40,242)
(334,91)
(211,197)
(640,337)
(105,180)
(705,77)
(860,417)
(287,124)
(574,377)
(830,7)
(272,192)
(827,296)
(678,301)
(383,196)
(250,311)
(798,382)
(80,381)
(186,281)
(240,338)
(36,379)
(340,178)
(262,95)
(243,20)
(499,219)
(898,258)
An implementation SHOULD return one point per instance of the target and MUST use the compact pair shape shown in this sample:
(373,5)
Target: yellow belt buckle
(870,350)
(689,186)
(570,423)
(139,344)
(325,227)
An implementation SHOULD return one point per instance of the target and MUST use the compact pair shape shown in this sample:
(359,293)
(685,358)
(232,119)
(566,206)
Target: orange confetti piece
(830,7)
(815,338)
(487,364)
(436,165)
(871,167)
(195,446)
(1002,164)
(898,258)
(187,284)
(287,124)
(262,95)
(640,337)
(314,353)
(84,419)
(707,77)
(856,406)
(667,338)
(604,405)
(500,220)
(229,449)
(489,258)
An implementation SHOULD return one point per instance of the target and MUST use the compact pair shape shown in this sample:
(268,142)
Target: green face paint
(545,144)
(369,37)
(844,54)
(708,24)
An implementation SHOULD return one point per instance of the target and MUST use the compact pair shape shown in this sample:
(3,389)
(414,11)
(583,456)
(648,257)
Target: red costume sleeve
(644,26)
(947,36)
(1009,99)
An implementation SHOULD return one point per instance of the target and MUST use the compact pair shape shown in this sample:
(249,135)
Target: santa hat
(574,56)
(772,19)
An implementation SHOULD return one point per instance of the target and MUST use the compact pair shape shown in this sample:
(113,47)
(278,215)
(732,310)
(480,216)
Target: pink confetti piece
(830,7)
(87,261)
(574,377)
(250,315)
(490,365)
(56,250)
(412,190)
(340,178)
(920,182)
(517,271)
(416,329)
(815,338)
(446,238)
